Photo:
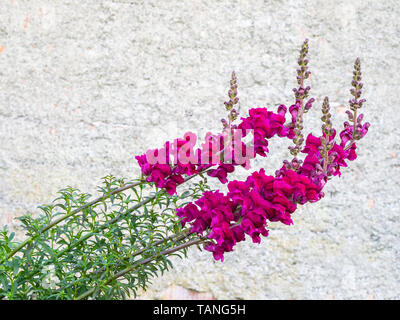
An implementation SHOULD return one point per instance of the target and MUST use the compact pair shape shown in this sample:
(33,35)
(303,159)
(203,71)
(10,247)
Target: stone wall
(86,85)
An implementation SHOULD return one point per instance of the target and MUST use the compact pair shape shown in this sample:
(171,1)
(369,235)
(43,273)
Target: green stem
(179,237)
(141,262)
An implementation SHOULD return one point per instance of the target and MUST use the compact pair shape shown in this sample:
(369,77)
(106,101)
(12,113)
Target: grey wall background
(86,85)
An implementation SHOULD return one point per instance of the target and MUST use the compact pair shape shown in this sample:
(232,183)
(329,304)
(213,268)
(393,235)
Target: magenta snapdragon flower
(247,208)
(168,174)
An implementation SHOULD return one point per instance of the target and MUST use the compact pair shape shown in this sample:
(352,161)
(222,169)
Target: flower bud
(350,115)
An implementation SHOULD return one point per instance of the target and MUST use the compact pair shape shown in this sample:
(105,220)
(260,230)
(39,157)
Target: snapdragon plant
(111,246)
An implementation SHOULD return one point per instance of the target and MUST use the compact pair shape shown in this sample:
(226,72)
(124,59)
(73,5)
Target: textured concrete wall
(85,85)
